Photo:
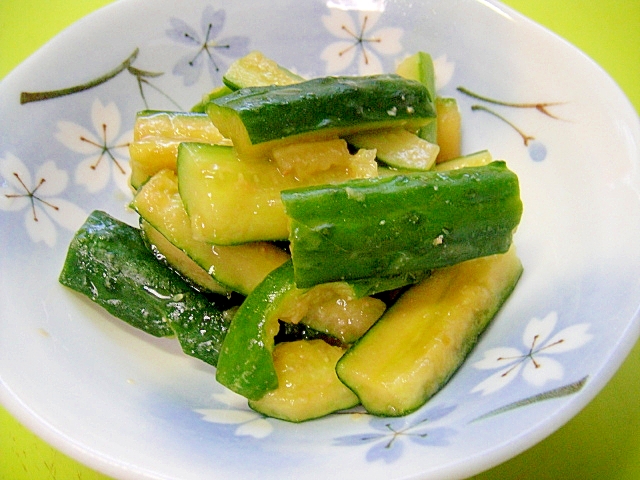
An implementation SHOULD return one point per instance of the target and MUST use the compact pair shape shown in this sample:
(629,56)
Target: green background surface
(602,441)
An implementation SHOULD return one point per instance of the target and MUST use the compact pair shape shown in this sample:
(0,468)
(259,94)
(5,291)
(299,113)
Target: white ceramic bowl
(135,407)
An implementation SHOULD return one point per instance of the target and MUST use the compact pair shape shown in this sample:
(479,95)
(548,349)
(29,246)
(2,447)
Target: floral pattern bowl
(134,406)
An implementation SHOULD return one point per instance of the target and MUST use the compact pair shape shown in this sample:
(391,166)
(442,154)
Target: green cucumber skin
(201,106)
(108,262)
(374,285)
(411,223)
(427,77)
(245,365)
(271,113)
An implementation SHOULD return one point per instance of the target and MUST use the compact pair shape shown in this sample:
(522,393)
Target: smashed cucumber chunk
(419,343)
(402,224)
(109,263)
(257,119)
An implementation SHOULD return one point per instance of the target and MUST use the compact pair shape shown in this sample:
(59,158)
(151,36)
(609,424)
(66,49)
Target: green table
(600,442)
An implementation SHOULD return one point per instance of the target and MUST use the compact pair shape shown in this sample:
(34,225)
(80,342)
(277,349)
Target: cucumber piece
(246,362)
(108,262)
(179,261)
(375,285)
(326,161)
(388,226)
(410,353)
(201,106)
(449,128)
(398,148)
(256,70)
(476,159)
(257,119)
(156,136)
(245,365)
(308,386)
(231,201)
(419,67)
(429,132)
(237,268)
(334,309)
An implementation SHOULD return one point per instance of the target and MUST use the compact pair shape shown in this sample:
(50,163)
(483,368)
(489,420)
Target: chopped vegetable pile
(323,243)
